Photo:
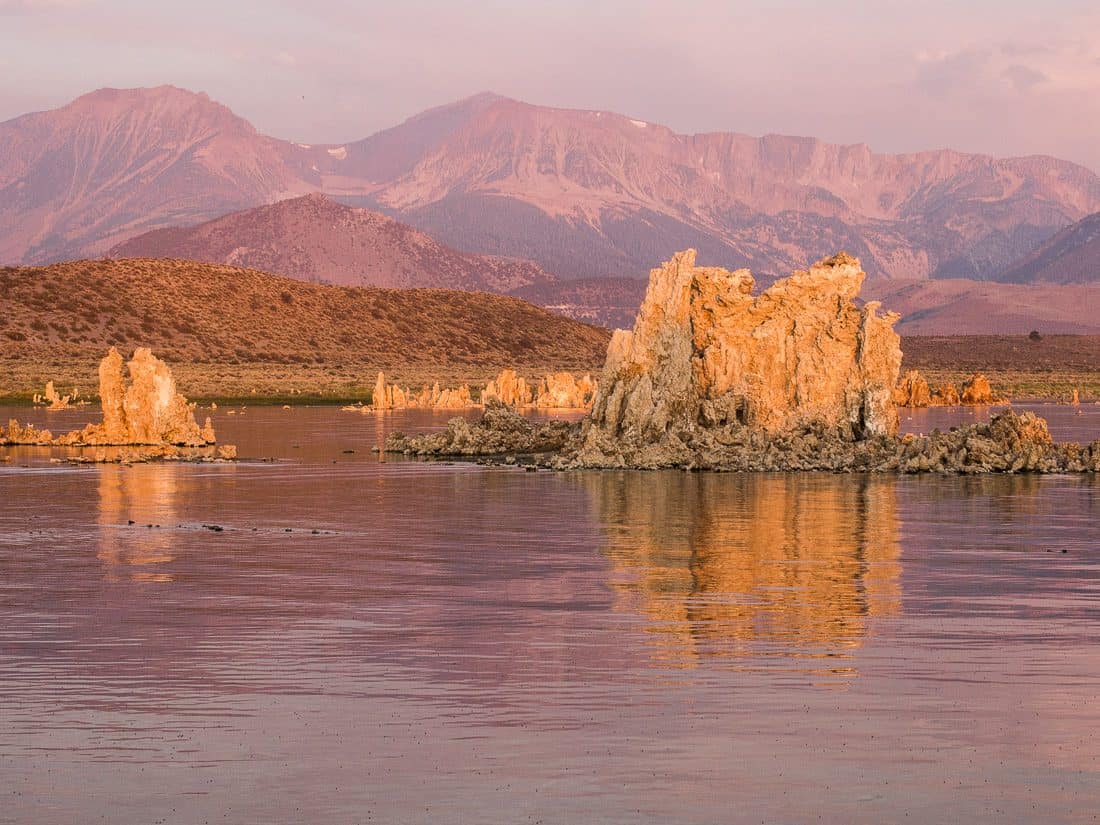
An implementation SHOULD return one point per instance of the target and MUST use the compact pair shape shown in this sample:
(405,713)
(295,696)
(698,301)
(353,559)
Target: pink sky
(999,77)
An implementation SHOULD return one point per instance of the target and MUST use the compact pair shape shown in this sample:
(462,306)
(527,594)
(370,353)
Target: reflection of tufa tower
(751,565)
(147,494)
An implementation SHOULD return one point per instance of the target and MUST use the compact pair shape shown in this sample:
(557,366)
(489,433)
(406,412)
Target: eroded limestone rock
(708,359)
(147,412)
(977,392)
(913,391)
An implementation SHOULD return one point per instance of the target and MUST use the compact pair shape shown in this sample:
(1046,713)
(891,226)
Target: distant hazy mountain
(581,193)
(112,164)
(313,238)
(1071,257)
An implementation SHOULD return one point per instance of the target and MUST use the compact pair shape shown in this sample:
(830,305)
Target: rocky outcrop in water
(977,392)
(500,430)
(1009,443)
(913,391)
(707,360)
(508,388)
(147,411)
(558,390)
(561,390)
(797,378)
(394,397)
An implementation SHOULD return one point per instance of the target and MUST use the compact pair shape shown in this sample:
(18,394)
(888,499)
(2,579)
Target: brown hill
(189,311)
(581,193)
(313,238)
(606,302)
(1070,257)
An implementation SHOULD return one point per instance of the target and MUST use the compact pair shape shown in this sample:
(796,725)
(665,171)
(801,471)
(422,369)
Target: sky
(1004,78)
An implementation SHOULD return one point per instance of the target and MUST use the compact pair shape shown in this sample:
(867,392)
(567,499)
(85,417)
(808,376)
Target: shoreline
(275,384)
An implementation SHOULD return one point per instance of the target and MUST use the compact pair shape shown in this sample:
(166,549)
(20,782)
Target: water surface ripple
(411,642)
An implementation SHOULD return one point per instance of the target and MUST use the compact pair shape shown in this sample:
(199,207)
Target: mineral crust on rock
(708,361)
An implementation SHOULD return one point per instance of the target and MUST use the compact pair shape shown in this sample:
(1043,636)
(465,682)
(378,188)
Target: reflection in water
(751,565)
(147,495)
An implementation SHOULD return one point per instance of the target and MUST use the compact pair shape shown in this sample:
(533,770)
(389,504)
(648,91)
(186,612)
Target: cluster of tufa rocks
(557,390)
(796,378)
(913,391)
(146,412)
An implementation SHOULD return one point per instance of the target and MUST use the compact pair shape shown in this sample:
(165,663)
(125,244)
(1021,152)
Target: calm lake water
(406,642)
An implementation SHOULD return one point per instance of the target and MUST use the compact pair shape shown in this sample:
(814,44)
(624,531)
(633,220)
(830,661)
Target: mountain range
(568,209)
(581,193)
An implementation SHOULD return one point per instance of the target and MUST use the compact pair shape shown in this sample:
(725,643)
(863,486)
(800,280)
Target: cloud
(37,6)
(946,73)
(1024,78)
(286,59)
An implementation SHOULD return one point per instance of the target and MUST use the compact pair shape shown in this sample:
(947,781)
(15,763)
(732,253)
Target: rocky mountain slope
(581,193)
(187,311)
(594,193)
(313,238)
(114,163)
(1070,257)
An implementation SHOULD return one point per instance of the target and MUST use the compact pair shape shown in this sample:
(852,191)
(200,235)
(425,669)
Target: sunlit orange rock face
(148,411)
(707,356)
(728,566)
(913,391)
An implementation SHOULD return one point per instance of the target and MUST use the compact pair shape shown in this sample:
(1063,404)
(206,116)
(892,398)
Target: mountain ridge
(582,193)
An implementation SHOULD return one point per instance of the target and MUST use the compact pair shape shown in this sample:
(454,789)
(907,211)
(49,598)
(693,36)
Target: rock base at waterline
(1010,443)
(500,430)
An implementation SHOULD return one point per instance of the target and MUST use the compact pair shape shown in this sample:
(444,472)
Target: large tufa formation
(148,412)
(393,397)
(708,359)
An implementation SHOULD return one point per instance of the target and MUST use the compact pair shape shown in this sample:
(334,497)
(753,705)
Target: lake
(407,642)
